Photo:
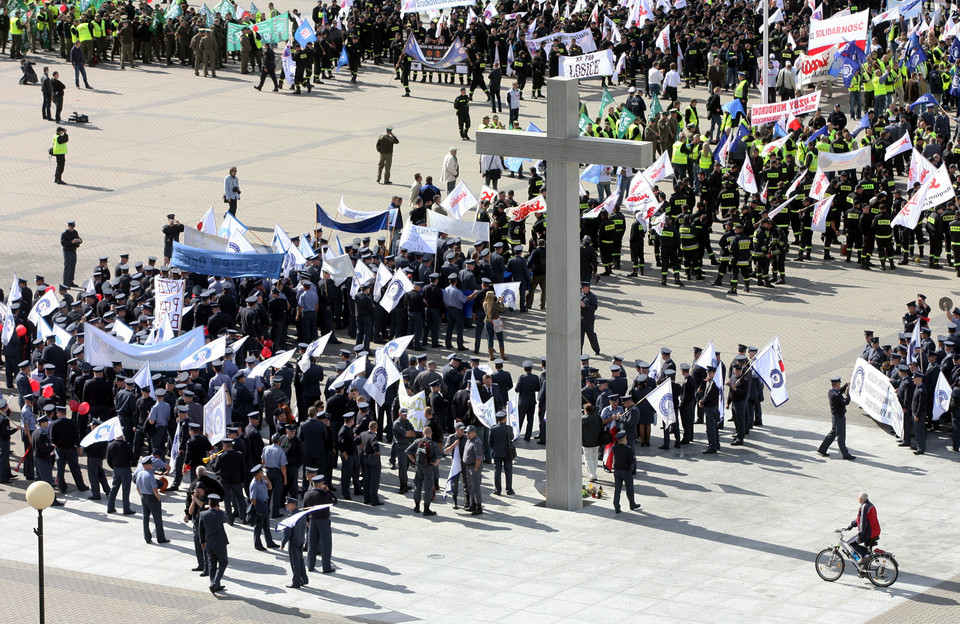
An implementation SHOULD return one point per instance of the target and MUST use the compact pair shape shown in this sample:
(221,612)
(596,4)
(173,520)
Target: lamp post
(40,495)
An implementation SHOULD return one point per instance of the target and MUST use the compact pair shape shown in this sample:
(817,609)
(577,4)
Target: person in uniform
(839,398)
(919,407)
(473,460)
(150,501)
(403,431)
(296,537)
(70,240)
(59,149)
(425,455)
(260,502)
(501,438)
(624,460)
(320,538)
(385,148)
(213,540)
(588,311)
(347,447)
(370,452)
(461,104)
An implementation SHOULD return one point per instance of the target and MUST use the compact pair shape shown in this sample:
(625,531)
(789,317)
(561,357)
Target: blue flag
(955,85)
(225,263)
(343,60)
(742,131)
(305,34)
(531,127)
(914,54)
(846,62)
(816,135)
(733,107)
(591,173)
(926,98)
(863,125)
(456,53)
(366,226)
(954,53)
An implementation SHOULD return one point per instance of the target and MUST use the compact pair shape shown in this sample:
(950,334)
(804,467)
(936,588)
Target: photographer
(839,397)
(231,190)
(59,151)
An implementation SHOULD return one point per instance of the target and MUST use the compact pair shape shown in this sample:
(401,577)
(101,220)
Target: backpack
(423,453)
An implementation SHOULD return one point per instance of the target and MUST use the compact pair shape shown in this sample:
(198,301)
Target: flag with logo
(384,275)
(305,34)
(820,210)
(626,118)
(914,55)
(15,293)
(659,170)
(941,396)
(818,189)
(229,225)
(510,291)
(105,432)
(747,180)
(661,399)
(383,375)
(206,354)
(44,306)
(454,473)
(898,147)
(768,364)
(396,288)
(215,415)
(605,100)
(351,372)
(208,222)
(864,122)
(314,349)
(709,358)
(485,412)
(909,214)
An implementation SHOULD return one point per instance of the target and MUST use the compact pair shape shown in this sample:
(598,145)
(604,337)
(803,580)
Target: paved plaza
(723,538)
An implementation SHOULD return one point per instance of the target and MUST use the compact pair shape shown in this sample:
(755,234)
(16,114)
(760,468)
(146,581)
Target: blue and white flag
(229,225)
(395,347)
(290,521)
(105,432)
(591,173)
(510,291)
(455,54)
(941,396)
(914,344)
(356,367)
(863,125)
(383,375)
(914,54)
(926,98)
(314,349)
(661,399)
(768,364)
(305,33)
(847,62)
(734,107)
(454,473)
(816,135)
(954,53)
(215,416)
(342,60)
(102,349)
(205,354)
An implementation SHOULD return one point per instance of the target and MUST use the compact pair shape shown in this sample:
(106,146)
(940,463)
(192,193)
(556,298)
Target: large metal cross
(563,150)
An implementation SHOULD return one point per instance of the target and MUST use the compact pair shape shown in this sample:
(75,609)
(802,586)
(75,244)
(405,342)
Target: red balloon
(21,331)
(34,385)
(63,8)
(268,343)
(74,405)
(255,28)
(49,288)
(99,297)
(265,352)
(48,391)
(84,408)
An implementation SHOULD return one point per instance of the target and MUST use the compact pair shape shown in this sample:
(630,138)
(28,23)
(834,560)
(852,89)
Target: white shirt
(654,77)
(672,79)
(513,98)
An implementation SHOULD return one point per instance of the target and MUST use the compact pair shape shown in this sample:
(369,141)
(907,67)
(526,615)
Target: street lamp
(40,495)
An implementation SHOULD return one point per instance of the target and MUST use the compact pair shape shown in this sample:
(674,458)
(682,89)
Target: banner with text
(225,264)
(872,391)
(169,301)
(767,113)
(102,349)
(583,38)
(587,65)
(274,30)
(837,31)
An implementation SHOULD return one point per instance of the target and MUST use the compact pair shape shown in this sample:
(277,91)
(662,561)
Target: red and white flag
(898,147)
(659,170)
(208,222)
(909,215)
(821,209)
(820,185)
(768,364)
(747,180)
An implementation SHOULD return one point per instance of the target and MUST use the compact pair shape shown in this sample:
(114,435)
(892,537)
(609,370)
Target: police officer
(425,455)
(919,410)
(150,501)
(296,537)
(213,540)
(473,460)
(403,431)
(69,241)
(370,451)
(623,463)
(588,312)
(461,104)
(838,397)
(320,539)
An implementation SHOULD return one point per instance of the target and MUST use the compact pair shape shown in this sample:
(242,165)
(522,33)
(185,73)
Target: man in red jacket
(868,530)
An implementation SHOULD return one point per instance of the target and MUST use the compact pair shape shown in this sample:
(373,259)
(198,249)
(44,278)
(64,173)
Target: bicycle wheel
(830,564)
(883,570)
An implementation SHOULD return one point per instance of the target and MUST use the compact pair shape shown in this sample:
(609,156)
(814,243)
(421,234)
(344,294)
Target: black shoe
(173,488)
(709,451)
(93,498)
(915,453)
(258,547)
(199,568)
(826,454)
(204,573)
(510,492)
(129,512)
(634,506)
(330,571)
(292,586)
(163,541)
(429,512)
(849,457)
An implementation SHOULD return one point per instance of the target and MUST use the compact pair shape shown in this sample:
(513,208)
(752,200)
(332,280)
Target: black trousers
(61,161)
(263,77)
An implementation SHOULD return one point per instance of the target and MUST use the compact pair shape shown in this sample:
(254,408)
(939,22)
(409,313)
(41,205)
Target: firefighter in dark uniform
(636,247)
(619,230)
(690,246)
(461,104)
(934,227)
(739,259)
(302,60)
(608,240)
(725,239)
(883,234)
(851,226)
(669,246)
(866,234)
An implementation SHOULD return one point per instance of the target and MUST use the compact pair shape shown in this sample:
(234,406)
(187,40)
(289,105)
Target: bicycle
(882,569)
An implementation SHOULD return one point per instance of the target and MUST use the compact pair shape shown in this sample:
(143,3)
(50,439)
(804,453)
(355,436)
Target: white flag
(459,201)
(314,349)
(104,432)
(229,225)
(941,396)
(9,324)
(747,180)
(144,379)
(414,404)
(208,222)
(818,189)
(768,364)
(383,375)
(206,354)
(416,238)
(291,521)
(486,413)
(777,210)
(510,291)
(15,294)
(384,275)
(237,243)
(820,210)
(362,275)
(356,367)
(663,39)
(709,358)
(487,193)
(43,307)
(659,170)
(277,361)
(909,214)
(898,147)
(395,347)
(215,415)
(661,399)
(398,286)
(513,411)
(123,331)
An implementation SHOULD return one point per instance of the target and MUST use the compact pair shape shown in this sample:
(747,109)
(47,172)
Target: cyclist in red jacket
(868,530)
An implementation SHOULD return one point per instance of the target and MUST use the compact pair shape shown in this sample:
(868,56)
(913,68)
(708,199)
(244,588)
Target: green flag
(626,118)
(584,122)
(17,5)
(605,101)
(273,30)
(655,107)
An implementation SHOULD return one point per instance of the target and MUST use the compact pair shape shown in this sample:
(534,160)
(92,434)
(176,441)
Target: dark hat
(471,428)
(194,426)
(835,379)
(918,375)
(711,369)
(665,351)
(911,304)
(583,284)
(621,435)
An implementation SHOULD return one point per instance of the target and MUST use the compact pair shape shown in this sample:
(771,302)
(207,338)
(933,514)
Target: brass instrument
(163,480)
(206,460)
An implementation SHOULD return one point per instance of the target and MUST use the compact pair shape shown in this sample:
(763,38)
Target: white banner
(820,185)
(398,286)
(416,238)
(414,406)
(767,113)
(587,65)
(661,399)
(820,211)
(169,300)
(843,161)
(898,147)
(419,6)
(872,391)
(102,349)
(510,291)
(207,353)
(583,38)
(215,415)
(838,30)
(105,432)
(212,242)
(339,267)
(814,67)
(940,189)
(477,231)
(384,374)
(459,201)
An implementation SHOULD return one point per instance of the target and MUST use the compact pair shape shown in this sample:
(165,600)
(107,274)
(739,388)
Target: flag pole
(765,76)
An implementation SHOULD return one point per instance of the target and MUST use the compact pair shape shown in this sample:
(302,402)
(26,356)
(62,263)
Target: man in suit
(500,437)
(213,540)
